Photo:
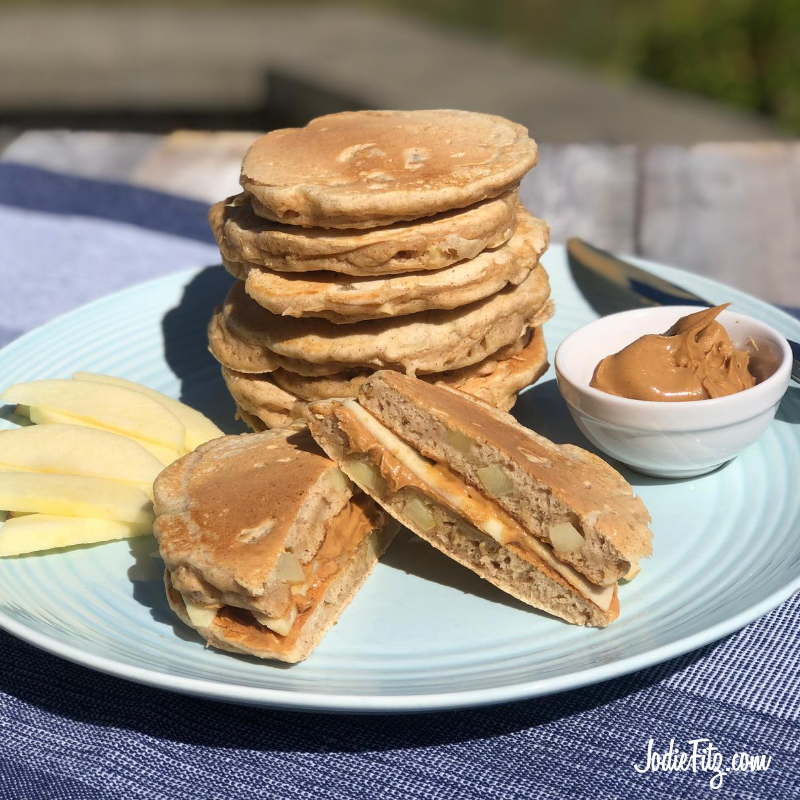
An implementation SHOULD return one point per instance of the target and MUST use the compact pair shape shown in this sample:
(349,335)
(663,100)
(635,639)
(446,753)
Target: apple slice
(76,450)
(35,532)
(44,416)
(147,488)
(199,428)
(110,407)
(74,496)
(199,616)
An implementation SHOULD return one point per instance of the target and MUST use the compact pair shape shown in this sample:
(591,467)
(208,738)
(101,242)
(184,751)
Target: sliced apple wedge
(36,532)
(113,408)
(74,496)
(166,455)
(77,450)
(199,428)
(44,416)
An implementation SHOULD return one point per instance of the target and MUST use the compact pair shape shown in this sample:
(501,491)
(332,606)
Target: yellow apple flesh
(77,450)
(36,532)
(44,416)
(112,408)
(74,496)
(199,428)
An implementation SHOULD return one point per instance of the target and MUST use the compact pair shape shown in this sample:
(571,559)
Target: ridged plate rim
(375,703)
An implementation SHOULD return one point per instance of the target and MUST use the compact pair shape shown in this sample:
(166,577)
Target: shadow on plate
(542,409)
(146,573)
(789,409)
(639,479)
(186,348)
(410,554)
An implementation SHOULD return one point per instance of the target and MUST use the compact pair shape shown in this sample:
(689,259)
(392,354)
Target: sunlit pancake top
(694,360)
(229,510)
(368,168)
(254,489)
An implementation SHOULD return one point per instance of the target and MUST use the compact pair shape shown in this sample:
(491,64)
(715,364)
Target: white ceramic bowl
(665,439)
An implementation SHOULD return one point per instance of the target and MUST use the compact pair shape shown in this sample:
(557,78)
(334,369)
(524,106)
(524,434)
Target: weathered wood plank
(586,190)
(88,154)
(158,57)
(729,211)
(196,164)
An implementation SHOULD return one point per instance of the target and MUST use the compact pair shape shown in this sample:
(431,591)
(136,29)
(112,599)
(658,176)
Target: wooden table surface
(729,211)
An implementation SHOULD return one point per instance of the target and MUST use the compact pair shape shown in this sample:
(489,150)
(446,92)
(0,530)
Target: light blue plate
(423,633)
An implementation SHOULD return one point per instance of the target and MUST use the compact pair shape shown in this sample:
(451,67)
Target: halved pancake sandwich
(265,542)
(552,525)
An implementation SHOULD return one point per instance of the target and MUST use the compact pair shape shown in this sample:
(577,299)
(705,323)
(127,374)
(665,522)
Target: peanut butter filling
(344,534)
(398,476)
(694,360)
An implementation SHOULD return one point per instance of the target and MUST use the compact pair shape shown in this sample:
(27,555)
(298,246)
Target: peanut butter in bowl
(626,386)
(694,359)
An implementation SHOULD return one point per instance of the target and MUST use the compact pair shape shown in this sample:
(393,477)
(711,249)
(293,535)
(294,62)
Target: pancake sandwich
(265,542)
(552,525)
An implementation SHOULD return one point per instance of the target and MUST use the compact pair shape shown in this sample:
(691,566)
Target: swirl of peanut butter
(694,360)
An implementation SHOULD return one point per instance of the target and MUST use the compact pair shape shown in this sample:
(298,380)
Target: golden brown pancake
(247,241)
(246,337)
(347,384)
(262,401)
(366,169)
(327,295)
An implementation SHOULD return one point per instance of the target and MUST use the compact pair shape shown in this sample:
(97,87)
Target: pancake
(237,631)
(264,542)
(552,525)
(247,241)
(511,375)
(321,387)
(246,337)
(347,384)
(253,422)
(545,481)
(258,397)
(263,403)
(326,296)
(366,169)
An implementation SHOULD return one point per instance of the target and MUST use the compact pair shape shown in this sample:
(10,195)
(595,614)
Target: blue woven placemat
(67,732)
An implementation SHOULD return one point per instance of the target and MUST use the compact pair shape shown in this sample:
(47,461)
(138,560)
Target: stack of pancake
(380,240)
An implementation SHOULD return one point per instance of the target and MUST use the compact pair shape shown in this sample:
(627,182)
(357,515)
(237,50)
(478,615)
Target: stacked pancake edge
(380,240)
